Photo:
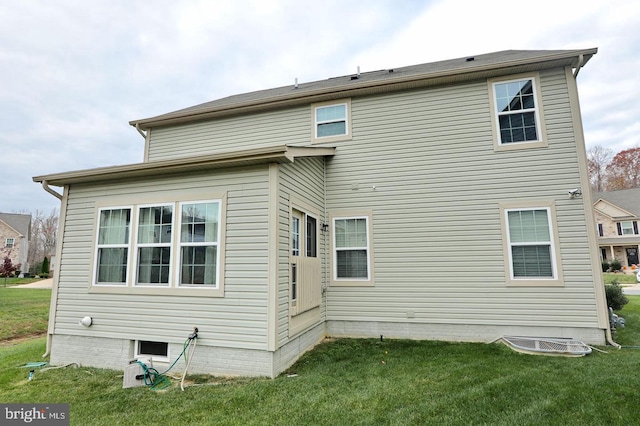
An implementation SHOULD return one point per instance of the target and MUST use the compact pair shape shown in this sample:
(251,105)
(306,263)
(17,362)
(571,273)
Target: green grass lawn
(23,312)
(620,278)
(361,382)
(6,282)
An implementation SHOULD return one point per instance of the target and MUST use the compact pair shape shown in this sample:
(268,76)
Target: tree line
(609,172)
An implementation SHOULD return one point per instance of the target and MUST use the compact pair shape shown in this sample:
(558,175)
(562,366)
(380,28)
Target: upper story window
(331,121)
(517,113)
(9,242)
(628,228)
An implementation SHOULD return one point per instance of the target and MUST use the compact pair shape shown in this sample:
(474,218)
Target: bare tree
(42,242)
(598,158)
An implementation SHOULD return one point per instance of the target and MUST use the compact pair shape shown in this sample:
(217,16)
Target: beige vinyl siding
(236,320)
(436,219)
(289,127)
(302,180)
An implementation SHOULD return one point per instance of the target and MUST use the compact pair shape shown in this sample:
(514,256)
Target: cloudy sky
(74,72)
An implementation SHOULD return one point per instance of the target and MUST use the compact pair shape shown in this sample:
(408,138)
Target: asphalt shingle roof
(628,199)
(19,222)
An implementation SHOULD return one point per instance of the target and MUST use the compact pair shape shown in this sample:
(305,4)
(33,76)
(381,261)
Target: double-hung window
(154,240)
(199,241)
(627,228)
(150,248)
(113,246)
(352,253)
(517,113)
(9,242)
(331,121)
(531,244)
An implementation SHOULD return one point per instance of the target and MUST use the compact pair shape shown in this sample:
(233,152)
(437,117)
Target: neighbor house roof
(627,199)
(366,83)
(21,223)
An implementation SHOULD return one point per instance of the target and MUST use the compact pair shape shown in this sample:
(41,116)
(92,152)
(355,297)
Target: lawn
(620,278)
(23,312)
(361,382)
(6,282)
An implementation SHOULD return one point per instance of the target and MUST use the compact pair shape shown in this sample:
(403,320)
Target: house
(15,233)
(424,202)
(617,215)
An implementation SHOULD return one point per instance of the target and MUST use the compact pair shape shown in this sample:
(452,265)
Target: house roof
(276,154)
(21,223)
(627,199)
(367,83)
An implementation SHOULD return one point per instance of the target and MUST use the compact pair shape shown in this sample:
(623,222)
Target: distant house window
(531,244)
(113,246)
(331,121)
(9,242)
(600,230)
(352,254)
(627,228)
(517,113)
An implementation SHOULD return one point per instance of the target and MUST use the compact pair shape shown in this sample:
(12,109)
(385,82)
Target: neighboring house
(15,232)
(424,202)
(617,216)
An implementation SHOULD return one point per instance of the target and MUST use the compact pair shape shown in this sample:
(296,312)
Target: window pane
(154,225)
(517,127)
(351,233)
(331,113)
(153,265)
(332,129)
(532,261)
(114,226)
(352,264)
(295,236)
(528,226)
(514,96)
(198,265)
(311,237)
(112,265)
(199,222)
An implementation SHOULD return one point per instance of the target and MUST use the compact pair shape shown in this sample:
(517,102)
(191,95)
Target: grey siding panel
(303,180)
(283,127)
(436,217)
(236,320)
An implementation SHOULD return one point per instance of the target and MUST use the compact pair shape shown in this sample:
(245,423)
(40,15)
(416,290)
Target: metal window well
(547,346)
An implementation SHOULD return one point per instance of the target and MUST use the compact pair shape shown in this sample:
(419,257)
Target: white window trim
(94,274)
(171,244)
(539,113)
(167,197)
(352,282)
(201,244)
(150,356)
(630,228)
(334,138)
(9,242)
(557,279)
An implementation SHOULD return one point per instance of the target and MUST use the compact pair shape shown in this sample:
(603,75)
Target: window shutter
(635,227)
(600,230)
(619,228)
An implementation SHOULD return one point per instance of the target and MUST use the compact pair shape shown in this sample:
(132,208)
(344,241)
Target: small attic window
(332,121)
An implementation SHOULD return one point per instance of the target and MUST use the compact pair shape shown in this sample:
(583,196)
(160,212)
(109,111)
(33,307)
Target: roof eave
(277,154)
(554,58)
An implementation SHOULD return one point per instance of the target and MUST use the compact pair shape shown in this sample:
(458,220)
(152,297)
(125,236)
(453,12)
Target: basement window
(158,351)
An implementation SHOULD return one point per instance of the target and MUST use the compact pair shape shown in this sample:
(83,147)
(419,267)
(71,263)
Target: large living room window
(352,250)
(517,113)
(153,248)
(531,244)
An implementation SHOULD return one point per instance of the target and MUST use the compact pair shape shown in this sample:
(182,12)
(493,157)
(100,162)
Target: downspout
(578,66)
(47,188)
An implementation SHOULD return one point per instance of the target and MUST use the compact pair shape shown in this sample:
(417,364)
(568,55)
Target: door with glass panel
(305,289)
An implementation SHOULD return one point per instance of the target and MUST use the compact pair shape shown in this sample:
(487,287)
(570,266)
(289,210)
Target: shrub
(615,265)
(45,266)
(615,297)
(605,265)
